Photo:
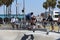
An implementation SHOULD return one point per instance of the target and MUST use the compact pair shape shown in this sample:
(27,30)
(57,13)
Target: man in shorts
(50,20)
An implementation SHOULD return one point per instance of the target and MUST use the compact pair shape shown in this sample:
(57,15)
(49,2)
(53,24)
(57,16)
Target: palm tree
(58,4)
(45,5)
(8,5)
(52,4)
(1,3)
(49,4)
(7,2)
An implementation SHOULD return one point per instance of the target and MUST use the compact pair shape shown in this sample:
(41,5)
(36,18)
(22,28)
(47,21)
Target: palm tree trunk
(4,9)
(9,11)
(16,8)
(4,13)
(49,10)
(46,13)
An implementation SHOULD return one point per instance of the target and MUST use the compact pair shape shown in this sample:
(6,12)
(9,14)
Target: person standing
(16,22)
(39,21)
(13,22)
(33,23)
(50,20)
(43,20)
(58,22)
(39,18)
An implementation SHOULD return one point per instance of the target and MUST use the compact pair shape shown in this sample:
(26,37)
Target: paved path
(18,34)
(5,27)
(9,27)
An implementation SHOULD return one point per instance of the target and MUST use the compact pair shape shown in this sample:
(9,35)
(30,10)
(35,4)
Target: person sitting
(1,20)
(6,20)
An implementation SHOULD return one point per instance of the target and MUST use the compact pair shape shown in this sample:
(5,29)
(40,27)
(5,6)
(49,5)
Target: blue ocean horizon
(12,15)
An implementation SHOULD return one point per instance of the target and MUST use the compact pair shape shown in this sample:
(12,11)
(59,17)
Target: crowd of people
(33,21)
(49,20)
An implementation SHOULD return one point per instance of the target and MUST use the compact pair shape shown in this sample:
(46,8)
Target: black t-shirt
(49,18)
(44,19)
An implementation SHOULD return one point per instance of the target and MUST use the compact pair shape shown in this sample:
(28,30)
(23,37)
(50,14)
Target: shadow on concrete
(58,39)
(26,37)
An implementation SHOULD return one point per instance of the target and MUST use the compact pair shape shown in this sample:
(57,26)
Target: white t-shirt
(16,21)
(39,18)
(12,20)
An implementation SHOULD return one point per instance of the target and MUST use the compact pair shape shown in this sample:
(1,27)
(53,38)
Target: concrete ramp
(26,35)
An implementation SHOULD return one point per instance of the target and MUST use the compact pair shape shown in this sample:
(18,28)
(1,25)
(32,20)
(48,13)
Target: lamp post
(23,10)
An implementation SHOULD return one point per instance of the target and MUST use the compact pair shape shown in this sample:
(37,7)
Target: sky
(35,6)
